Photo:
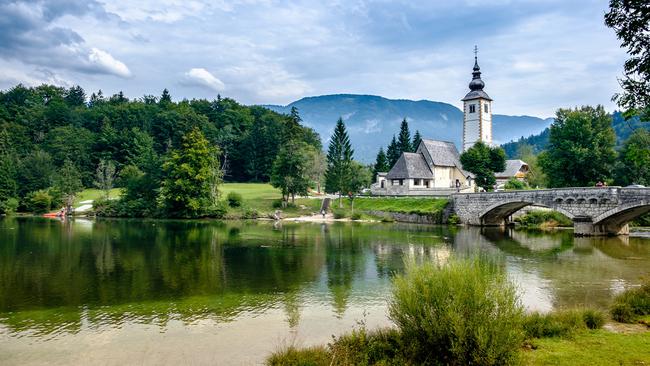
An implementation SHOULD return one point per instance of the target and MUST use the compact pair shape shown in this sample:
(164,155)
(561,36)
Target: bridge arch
(496,214)
(622,214)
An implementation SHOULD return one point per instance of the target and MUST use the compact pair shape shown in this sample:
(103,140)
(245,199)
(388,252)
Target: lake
(151,292)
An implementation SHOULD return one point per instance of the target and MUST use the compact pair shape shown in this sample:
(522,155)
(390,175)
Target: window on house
(472,108)
(395,182)
(426,183)
(401,182)
(416,182)
(485,108)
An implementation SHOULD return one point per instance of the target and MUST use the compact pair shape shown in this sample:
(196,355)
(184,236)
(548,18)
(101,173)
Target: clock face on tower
(477,111)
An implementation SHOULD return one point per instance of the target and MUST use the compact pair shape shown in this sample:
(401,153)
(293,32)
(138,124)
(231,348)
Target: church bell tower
(477,111)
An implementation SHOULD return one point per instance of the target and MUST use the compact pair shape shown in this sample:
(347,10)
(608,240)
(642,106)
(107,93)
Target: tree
(416,140)
(105,176)
(381,164)
(404,138)
(36,171)
(8,184)
(339,159)
(68,182)
(317,166)
(186,190)
(630,19)
(392,153)
(633,166)
(483,161)
(360,177)
(535,177)
(291,170)
(581,148)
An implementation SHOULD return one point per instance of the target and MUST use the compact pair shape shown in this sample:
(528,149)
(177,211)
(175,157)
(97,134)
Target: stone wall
(411,218)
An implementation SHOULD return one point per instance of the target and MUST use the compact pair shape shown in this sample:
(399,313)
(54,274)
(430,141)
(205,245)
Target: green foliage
(68,182)
(36,171)
(291,169)
(355,216)
(292,356)
(105,176)
(581,148)
(633,166)
(453,220)
(234,199)
(483,161)
(404,138)
(514,183)
(629,20)
(417,139)
(186,190)
(381,164)
(217,211)
(561,323)
(339,160)
(250,213)
(462,312)
(392,152)
(9,205)
(339,213)
(631,304)
(536,218)
(38,201)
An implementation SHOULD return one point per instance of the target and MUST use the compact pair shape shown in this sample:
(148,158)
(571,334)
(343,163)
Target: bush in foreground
(463,312)
(234,199)
(629,306)
(561,323)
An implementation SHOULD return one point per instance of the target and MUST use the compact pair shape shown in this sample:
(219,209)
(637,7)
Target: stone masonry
(594,211)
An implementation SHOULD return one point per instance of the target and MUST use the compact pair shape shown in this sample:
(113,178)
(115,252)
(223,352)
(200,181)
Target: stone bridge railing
(594,211)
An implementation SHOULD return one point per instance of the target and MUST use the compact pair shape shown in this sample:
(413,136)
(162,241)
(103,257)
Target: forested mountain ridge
(42,127)
(373,120)
(538,142)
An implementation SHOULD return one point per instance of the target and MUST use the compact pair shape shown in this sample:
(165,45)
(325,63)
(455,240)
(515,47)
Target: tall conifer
(404,139)
(393,153)
(416,140)
(381,164)
(339,160)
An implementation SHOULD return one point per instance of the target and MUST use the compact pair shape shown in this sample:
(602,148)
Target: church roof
(512,168)
(410,165)
(443,153)
(476,94)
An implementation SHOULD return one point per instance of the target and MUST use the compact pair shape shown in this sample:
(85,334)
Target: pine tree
(165,98)
(381,164)
(339,160)
(416,140)
(393,153)
(404,138)
(68,182)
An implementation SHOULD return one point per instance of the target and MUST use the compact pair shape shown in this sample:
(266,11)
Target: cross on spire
(475,52)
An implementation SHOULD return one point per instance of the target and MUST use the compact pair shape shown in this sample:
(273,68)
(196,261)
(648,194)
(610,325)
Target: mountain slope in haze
(372,120)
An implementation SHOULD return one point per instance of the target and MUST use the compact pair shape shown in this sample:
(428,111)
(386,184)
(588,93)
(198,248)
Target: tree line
(55,141)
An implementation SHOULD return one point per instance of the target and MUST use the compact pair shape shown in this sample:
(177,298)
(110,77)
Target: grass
(93,194)
(632,304)
(544,219)
(591,348)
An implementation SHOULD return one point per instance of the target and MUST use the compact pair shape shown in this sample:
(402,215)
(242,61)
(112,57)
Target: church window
(485,107)
(472,108)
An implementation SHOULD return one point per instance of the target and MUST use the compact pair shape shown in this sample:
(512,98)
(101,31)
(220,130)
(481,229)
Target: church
(434,168)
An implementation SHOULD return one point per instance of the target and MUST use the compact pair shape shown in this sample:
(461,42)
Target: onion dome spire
(476,83)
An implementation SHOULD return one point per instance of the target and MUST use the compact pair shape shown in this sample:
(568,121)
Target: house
(433,169)
(514,169)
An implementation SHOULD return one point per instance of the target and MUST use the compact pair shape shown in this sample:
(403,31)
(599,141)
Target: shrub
(277,204)
(514,183)
(250,213)
(339,213)
(217,211)
(234,199)
(38,201)
(293,356)
(356,216)
(464,312)
(562,323)
(387,218)
(9,205)
(631,304)
(544,218)
(453,220)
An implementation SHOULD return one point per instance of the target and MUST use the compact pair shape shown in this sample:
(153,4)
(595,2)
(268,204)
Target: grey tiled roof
(442,153)
(410,165)
(512,167)
(475,94)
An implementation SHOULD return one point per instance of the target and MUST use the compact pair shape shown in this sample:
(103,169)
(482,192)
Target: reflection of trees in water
(577,271)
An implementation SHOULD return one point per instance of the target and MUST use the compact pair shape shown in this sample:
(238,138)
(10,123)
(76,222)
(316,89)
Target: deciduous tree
(483,161)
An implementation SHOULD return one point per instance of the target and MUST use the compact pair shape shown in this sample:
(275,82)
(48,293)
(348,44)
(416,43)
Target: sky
(536,55)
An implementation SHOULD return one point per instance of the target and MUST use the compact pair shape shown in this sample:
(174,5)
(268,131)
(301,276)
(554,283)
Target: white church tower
(477,111)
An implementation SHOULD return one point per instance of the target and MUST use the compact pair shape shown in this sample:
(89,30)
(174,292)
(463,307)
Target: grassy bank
(543,219)
(466,311)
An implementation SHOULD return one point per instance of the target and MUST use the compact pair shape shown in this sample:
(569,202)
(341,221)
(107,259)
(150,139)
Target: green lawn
(591,348)
(263,191)
(93,194)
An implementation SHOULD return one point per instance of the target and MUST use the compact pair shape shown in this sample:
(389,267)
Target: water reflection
(84,277)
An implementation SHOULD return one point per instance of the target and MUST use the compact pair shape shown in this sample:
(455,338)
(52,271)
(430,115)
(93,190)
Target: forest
(50,136)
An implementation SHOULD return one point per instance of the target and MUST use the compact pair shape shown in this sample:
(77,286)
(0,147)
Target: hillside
(372,120)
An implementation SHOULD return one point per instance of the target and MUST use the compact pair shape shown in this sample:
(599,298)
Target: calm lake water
(116,292)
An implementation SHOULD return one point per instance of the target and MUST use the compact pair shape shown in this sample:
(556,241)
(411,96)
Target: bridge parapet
(595,211)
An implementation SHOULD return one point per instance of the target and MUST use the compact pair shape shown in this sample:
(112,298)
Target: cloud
(103,61)
(203,78)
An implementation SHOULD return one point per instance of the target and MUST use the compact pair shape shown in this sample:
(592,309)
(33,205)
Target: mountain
(372,120)
(538,142)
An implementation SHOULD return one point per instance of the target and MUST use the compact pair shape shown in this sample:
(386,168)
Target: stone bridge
(594,211)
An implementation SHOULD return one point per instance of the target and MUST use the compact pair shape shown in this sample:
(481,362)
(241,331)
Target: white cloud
(202,77)
(107,63)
